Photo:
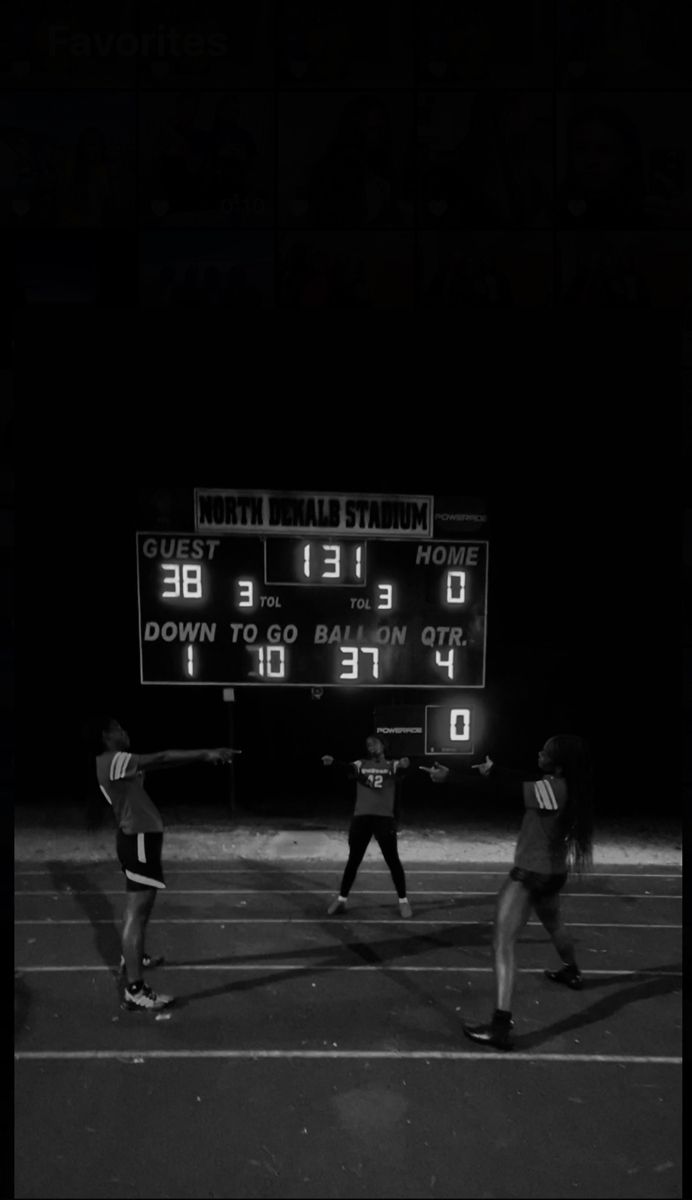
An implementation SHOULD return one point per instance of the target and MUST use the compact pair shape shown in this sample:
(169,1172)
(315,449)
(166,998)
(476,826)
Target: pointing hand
(437,772)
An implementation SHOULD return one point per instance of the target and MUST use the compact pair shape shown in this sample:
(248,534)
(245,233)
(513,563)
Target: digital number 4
(447,662)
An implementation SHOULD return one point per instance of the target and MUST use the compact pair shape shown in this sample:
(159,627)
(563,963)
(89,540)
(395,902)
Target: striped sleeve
(541,795)
(122,765)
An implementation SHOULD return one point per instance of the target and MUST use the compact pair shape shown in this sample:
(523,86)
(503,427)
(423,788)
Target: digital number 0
(276,662)
(456,587)
(457,715)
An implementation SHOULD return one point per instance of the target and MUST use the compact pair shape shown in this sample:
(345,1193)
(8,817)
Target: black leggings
(383,829)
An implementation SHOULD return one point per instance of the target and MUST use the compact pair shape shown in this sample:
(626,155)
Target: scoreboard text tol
(311,611)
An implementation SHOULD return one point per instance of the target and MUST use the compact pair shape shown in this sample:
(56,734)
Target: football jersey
(122,783)
(545,801)
(375,787)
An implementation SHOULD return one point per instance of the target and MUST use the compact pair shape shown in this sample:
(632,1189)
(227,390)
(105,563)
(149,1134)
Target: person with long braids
(555,838)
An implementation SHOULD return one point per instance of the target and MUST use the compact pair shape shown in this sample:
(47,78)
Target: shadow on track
(636,988)
(98,909)
(344,946)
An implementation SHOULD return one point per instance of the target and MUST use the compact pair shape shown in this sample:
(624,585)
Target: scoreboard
(311,610)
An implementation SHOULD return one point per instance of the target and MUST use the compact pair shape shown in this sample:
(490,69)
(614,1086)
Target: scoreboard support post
(229,701)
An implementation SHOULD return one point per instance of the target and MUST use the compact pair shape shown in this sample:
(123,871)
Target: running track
(310,1056)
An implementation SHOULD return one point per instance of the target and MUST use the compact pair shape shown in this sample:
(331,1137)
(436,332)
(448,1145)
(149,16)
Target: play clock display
(311,611)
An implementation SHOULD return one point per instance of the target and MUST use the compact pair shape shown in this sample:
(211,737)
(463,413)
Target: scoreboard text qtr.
(312,611)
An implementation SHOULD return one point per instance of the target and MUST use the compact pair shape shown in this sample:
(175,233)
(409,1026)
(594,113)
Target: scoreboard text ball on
(273,592)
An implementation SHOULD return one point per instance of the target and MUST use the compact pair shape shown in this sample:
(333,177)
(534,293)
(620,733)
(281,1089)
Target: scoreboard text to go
(311,612)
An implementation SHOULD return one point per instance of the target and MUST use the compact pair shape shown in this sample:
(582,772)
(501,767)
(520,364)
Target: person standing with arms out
(555,838)
(139,842)
(375,815)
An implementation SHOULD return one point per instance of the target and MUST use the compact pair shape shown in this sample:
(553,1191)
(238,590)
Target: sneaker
(567,975)
(496,1033)
(405,909)
(336,906)
(144,1000)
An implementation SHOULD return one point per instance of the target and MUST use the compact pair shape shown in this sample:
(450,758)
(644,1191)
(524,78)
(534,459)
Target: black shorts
(140,859)
(539,885)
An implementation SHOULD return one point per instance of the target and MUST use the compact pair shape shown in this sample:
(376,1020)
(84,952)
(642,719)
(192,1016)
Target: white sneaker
(144,1000)
(336,906)
(405,908)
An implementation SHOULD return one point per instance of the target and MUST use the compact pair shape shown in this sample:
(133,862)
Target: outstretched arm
(514,783)
(440,774)
(350,768)
(125,764)
(437,773)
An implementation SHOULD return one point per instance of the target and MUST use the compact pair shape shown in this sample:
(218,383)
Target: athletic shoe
(336,906)
(144,1000)
(569,976)
(496,1034)
(405,909)
(149,961)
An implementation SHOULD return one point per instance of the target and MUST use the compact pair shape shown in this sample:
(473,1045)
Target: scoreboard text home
(299,589)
